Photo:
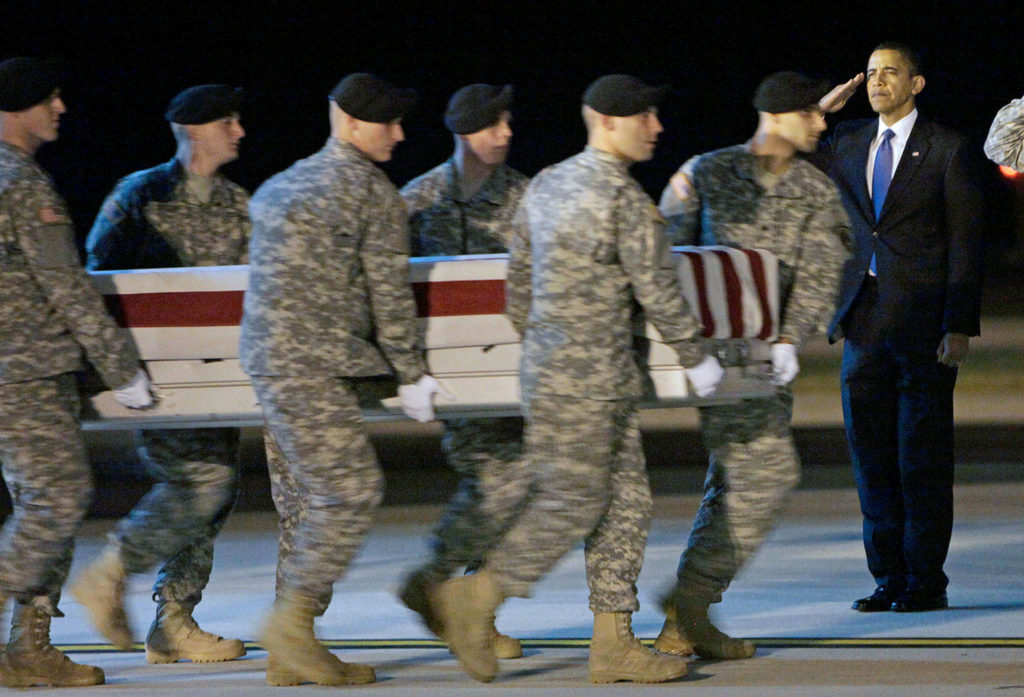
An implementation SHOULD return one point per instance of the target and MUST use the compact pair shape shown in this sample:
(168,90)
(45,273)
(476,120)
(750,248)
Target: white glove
(705,376)
(784,363)
(136,394)
(418,399)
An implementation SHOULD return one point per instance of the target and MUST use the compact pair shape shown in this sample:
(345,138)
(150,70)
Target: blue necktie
(880,178)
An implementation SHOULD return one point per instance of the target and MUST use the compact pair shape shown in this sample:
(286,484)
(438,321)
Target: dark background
(127,60)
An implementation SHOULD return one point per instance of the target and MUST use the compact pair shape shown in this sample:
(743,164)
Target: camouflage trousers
(590,483)
(196,473)
(494,480)
(753,464)
(324,479)
(47,472)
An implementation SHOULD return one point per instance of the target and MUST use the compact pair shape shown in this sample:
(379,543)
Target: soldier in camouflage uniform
(328,307)
(588,245)
(755,195)
(49,314)
(1005,142)
(181,213)
(465,206)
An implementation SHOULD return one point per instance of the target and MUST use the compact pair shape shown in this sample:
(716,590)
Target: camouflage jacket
(49,309)
(151,220)
(588,245)
(329,289)
(1005,142)
(800,219)
(443,225)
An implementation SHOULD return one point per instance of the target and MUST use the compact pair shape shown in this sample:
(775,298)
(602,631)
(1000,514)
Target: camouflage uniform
(753,462)
(152,220)
(485,452)
(588,245)
(442,225)
(49,313)
(329,304)
(1005,142)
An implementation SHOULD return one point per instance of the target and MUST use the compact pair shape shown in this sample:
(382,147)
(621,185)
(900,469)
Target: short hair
(591,117)
(910,56)
(180,133)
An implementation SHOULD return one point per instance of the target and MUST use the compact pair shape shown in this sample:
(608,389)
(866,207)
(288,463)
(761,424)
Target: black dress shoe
(920,601)
(879,601)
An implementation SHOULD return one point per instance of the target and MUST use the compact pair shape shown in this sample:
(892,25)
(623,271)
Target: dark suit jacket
(928,238)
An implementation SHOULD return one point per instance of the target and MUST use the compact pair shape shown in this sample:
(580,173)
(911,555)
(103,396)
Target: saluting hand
(837,98)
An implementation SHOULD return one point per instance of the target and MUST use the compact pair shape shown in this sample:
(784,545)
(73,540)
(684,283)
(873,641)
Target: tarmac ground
(793,600)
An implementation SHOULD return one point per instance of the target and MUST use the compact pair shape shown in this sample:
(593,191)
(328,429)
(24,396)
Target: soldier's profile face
(219,140)
(491,144)
(633,138)
(42,121)
(377,140)
(801,128)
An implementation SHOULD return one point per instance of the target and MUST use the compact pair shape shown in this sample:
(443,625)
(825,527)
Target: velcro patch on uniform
(53,216)
(112,211)
(54,247)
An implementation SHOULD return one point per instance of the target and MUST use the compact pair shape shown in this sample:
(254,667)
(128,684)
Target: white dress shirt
(901,133)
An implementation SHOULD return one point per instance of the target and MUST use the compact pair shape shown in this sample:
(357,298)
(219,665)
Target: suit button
(874,234)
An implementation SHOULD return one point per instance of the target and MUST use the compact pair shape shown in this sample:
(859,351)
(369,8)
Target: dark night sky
(127,60)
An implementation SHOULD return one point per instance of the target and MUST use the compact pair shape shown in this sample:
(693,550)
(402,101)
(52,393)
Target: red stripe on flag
(457,298)
(733,294)
(699,278)
(761,284)
(224,308)
(221,308)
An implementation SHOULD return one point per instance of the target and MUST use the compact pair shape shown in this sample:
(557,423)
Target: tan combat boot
(615,654)
(279,676)
(693,626)
(31,660)
(175,636)
(670,641)
(506,647)
(416,595)
(100,590)
(297,655)
(466,608)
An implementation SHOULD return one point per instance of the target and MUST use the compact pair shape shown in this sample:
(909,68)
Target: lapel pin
(914,154)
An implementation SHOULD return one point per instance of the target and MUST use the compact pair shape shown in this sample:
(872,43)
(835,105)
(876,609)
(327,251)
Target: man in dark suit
(909,300)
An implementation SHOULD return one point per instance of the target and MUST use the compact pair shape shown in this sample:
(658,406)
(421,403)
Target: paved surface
(793,600)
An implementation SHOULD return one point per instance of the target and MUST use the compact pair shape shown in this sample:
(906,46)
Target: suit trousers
(898,408)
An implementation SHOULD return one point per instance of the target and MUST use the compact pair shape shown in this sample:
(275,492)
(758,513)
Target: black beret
(789,91)
(204,103)
(476,107)
(622,95)
(369,98)
(25,82)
